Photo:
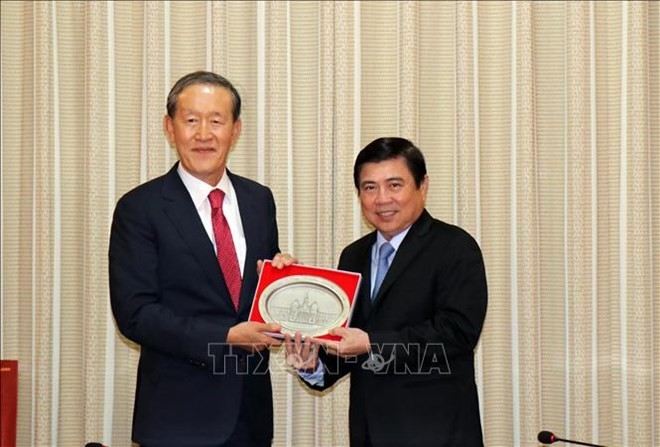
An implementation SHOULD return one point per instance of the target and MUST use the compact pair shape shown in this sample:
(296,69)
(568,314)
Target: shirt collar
(395,242)
(199,191)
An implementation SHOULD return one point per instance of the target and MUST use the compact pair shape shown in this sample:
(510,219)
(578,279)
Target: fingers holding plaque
(305,299)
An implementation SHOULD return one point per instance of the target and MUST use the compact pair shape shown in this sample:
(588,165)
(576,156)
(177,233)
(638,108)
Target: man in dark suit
(417,318)
(184,252)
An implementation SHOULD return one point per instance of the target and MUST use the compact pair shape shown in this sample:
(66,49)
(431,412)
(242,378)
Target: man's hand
(302,355)
(280,261)
(353,342)
(251,336)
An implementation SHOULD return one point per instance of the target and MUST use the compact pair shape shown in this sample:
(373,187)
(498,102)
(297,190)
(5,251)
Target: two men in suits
(417,317)
(183,258)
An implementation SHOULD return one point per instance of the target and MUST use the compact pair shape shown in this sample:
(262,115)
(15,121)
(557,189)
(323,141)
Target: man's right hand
(302,355)
(251,336)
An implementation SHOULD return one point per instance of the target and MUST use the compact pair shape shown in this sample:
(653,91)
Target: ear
(424,186)
(236,131)
(168,128)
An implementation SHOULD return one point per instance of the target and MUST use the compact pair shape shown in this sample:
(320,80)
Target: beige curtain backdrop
(540,125)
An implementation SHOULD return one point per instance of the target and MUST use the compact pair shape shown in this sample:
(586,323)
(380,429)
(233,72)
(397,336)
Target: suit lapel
(181,211)
(251,227)
(412,244)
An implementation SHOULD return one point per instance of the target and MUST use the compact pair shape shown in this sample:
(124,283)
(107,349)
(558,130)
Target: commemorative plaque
(309,300)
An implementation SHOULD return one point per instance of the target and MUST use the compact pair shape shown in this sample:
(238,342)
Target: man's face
(203,130)
(390,199)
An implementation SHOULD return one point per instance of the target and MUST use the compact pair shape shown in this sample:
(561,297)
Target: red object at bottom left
(8,402)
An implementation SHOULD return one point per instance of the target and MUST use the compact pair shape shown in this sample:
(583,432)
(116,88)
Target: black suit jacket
(168,295)
(417,387)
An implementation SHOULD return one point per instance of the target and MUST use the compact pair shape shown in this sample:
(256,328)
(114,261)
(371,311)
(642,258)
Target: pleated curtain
(540,124)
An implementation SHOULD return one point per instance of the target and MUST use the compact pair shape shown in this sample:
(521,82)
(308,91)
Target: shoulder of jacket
(147,188)
(239,180)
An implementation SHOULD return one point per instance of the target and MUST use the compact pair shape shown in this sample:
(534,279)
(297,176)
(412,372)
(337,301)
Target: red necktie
(224,243)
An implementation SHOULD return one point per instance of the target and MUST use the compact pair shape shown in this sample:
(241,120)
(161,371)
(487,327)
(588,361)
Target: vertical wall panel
(639,291)
(344,122)
(463,193)
(608,121)
(276,120)
(654,149)
(17,53)
(578,220)
(549,45)
(27,350)
(332,407)
(380,70)
(304,104)
(70,20)
(277,145)
(129,42)
(495,118)
(15,74)
(43,229)
(325,244)
(187,49)
(303,184)
(304,81)
(408,69)
(154,90)
(527,228)
(439,32)
(96,220)
(219,37)
(240,60)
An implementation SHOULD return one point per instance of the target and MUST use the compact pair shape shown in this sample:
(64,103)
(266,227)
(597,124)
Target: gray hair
(203,77)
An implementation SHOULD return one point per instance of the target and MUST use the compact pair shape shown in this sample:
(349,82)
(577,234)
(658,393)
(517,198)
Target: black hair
(388,148)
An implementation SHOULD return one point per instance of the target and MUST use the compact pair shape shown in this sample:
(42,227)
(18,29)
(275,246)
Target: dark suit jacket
(417,388)
(168,295)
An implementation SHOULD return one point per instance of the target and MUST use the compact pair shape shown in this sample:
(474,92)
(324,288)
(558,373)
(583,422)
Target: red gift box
(348,282)
(8,402)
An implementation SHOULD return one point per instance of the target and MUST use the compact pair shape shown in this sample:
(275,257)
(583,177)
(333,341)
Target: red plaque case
(309,300)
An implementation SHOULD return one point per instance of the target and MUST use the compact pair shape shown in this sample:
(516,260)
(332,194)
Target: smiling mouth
(385,214)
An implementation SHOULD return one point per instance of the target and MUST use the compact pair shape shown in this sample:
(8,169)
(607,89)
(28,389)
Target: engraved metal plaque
(311,305)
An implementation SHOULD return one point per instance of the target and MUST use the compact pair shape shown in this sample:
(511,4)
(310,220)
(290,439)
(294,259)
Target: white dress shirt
(199,193)
(395,242)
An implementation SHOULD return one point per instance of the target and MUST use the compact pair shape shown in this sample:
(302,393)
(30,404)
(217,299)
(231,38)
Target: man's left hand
(280,261)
